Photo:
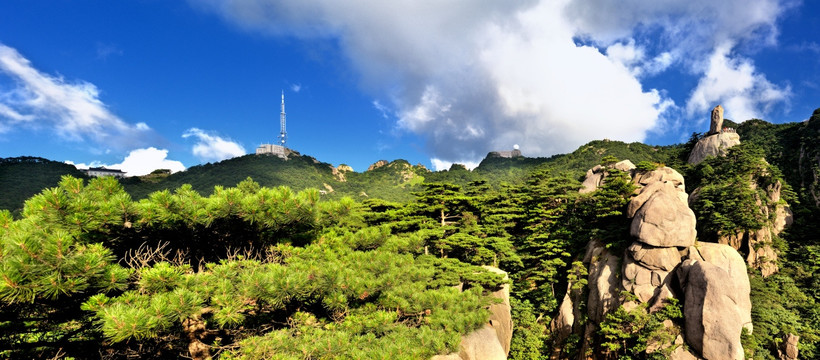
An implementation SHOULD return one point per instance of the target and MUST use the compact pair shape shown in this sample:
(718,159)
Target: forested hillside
(23,177)
(394,181)
(387,263)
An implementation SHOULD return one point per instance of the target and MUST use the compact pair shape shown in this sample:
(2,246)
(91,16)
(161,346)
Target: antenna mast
(283,134)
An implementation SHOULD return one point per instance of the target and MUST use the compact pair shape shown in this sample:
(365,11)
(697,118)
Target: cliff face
(663,265)
(670,265)
(713,145)
(491,342)
(716,141)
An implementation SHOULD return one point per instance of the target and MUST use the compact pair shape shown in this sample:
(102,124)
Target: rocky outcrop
(664,220)
(663,262)
(625,166)
(500,314)
(563,323)
(660,212)
(642,281)
(340,171)
(492,341)
(716,124)
(377,165)
(662,174)
(603,281)
(716,141)
(758,245)
(788,350)
(595,176)
(654,258)
(713,145)
(716,300)
(661,222)
(593,179)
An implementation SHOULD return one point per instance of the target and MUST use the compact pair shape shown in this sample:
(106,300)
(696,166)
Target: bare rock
(641,281)
(713,145)
(694,195)
(377,165)
(339,172)
(655,258)
(643,196)
(758,245)
(491,342)
(716,125)
(561,325)
(593,179)
(761,253)
(604,287)
(788,349)
(773,191)
(783,217)
(733,240)
(625,166)
(716,301)
(680,353)
(664,221)
(661,174)
(482,344)
(500,314)
(638,280)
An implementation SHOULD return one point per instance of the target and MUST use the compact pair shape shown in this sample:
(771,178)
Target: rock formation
(492,341)
(663,262)
(716,300)
(788,350)
(713,145)
(758,245)
(593,179)
(716,125)
(716,140)
(660,211)
(339,172)
(377,165)
(595,176)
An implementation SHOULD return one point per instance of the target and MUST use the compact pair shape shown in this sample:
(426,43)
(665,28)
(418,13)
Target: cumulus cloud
(140,162)
(72,109)
(439,165)
(735,83)
(210,147)
(474,76)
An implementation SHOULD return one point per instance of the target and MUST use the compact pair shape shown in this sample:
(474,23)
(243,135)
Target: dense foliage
(308,269)
(378,264)
(24,177)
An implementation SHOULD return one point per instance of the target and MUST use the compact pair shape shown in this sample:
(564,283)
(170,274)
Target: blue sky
(170,84)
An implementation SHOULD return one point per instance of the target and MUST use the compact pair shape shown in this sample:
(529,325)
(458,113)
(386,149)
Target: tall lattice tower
(283,134)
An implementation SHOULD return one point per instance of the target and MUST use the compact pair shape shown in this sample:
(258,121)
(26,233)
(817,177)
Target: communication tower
(283,134)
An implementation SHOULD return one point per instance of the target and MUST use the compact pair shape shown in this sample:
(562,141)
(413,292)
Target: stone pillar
(717,120)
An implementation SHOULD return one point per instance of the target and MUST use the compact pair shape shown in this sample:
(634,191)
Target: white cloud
(211,147)
(296,87)
(475,76)
(140,162)
(734,83)
(439,165)
(687,25)
(73,110)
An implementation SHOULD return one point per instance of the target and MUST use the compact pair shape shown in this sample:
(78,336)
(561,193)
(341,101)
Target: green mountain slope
(393,181)
(23,177)
(204,269)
